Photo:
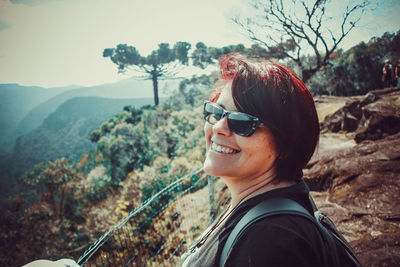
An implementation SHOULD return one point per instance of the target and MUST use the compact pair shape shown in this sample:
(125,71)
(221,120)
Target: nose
(221,127)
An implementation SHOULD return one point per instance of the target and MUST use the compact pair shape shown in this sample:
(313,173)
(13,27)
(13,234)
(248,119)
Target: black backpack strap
(270,207)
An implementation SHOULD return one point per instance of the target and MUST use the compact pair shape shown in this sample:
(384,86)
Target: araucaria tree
(163,63)
(297,28)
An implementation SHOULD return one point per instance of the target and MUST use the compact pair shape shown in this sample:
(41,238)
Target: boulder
(373,117)
(346,119)
(380,118)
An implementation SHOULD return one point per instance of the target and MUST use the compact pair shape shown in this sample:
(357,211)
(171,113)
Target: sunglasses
(240,123)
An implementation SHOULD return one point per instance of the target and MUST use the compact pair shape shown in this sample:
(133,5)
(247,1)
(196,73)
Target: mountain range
(25,107)
(16,102)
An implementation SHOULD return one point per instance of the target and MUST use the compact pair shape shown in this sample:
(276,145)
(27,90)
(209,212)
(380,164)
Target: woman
(261,130)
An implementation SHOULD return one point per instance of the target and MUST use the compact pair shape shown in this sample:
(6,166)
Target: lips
(223,149)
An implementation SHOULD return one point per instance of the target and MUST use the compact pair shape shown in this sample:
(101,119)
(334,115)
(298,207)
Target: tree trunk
(307,74)
(155,86)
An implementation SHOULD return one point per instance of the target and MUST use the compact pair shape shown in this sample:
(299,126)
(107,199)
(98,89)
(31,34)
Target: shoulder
(283,240)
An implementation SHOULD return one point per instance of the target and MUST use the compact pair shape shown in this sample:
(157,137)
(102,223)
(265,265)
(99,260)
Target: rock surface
(373,117)
(355,175)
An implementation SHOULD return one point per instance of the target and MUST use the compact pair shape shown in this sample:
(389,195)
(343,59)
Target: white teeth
(221,149)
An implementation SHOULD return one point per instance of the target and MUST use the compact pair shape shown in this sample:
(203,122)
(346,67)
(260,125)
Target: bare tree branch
(309,23)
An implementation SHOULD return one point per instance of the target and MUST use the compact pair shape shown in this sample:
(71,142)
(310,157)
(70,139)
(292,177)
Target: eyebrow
(221,105)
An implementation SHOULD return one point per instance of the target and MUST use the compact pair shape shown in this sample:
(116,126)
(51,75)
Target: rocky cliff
(355,175)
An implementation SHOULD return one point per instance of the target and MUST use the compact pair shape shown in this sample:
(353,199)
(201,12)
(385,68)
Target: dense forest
(64,204)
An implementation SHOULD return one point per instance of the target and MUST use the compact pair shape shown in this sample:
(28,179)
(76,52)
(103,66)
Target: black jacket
(282,240)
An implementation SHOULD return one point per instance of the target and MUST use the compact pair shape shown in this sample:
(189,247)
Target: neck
(243,189)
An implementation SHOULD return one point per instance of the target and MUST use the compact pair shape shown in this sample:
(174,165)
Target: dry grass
(194,209)
(325,109)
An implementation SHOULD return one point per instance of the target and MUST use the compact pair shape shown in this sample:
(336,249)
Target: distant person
(387,74)
(261,129)
(397,73)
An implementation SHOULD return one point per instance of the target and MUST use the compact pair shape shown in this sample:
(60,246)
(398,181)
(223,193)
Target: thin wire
(104,238)
(182,193)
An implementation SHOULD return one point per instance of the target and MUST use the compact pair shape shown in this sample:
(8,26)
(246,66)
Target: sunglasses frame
(251,119)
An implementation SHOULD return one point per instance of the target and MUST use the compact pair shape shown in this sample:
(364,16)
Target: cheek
(268,143)
(261,148)
(207,132)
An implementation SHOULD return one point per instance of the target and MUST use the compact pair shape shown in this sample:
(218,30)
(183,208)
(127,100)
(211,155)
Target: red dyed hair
(276,95)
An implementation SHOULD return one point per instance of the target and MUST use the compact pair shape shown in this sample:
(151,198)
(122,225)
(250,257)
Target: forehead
(225,100)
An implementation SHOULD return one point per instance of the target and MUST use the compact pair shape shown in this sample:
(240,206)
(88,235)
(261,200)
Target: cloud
(3,26)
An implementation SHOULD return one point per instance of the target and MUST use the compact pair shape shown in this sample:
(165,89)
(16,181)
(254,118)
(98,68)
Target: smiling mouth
(224,150)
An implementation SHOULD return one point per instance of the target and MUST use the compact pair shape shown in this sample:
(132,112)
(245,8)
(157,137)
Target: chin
(215,169)
(208,168)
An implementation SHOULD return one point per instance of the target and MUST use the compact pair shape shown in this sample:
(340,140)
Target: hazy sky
(60,42)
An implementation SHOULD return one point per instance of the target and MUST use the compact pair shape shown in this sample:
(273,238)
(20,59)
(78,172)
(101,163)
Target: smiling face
(232,156)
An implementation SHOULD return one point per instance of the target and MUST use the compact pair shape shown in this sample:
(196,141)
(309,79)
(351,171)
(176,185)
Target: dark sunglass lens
(241,124)
(212,113)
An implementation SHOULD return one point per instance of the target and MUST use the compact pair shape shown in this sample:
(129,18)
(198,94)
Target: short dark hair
(278,97)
